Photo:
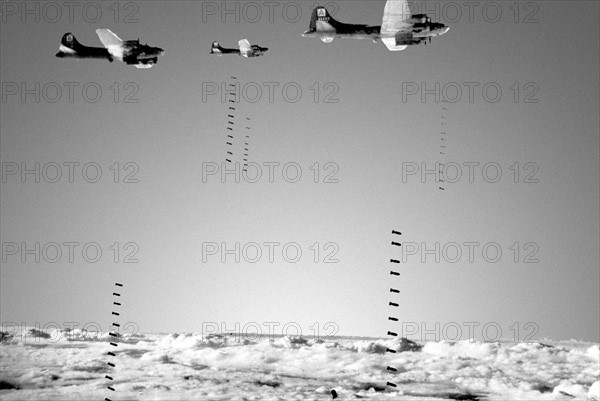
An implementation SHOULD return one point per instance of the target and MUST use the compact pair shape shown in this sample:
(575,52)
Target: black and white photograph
(300,200)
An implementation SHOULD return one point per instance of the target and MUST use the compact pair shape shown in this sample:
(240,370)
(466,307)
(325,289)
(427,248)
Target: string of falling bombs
(443,142)
(230,119)
(246,143)
(393,304)
(115,334)
(231,139)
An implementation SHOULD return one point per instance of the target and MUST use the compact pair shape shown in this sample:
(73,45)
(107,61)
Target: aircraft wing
(112,42)
(395,19)
(245,47)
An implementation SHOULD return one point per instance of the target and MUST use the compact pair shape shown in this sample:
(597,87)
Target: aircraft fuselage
(397,30)
(84,52)
(352,31)
(420,32)
(222,50)
(254,51)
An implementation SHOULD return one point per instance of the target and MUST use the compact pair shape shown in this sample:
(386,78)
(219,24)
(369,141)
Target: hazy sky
(378,129)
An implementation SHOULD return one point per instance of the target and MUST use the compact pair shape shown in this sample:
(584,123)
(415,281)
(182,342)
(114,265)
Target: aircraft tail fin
(322,21)
(69,46)
(215,48)
(68,40)
(313,21)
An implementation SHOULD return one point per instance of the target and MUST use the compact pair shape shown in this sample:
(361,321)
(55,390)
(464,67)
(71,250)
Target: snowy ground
(74,365)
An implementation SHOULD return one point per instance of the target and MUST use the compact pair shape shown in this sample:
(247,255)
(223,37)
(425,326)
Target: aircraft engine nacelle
(419,18)
(404,38)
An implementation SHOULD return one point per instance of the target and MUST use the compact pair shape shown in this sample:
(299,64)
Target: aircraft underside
(329,36)
(83,52)
(141,63)
(406,40)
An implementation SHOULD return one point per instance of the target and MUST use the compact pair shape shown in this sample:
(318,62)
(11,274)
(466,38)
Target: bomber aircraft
(130,52)
(245,50)
(399,29)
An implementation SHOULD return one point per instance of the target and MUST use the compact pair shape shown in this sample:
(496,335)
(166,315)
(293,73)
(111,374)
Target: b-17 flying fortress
(399,28)
(130,52)
(245,49)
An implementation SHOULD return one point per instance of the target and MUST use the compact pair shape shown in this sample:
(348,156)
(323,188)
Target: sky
(368,121)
